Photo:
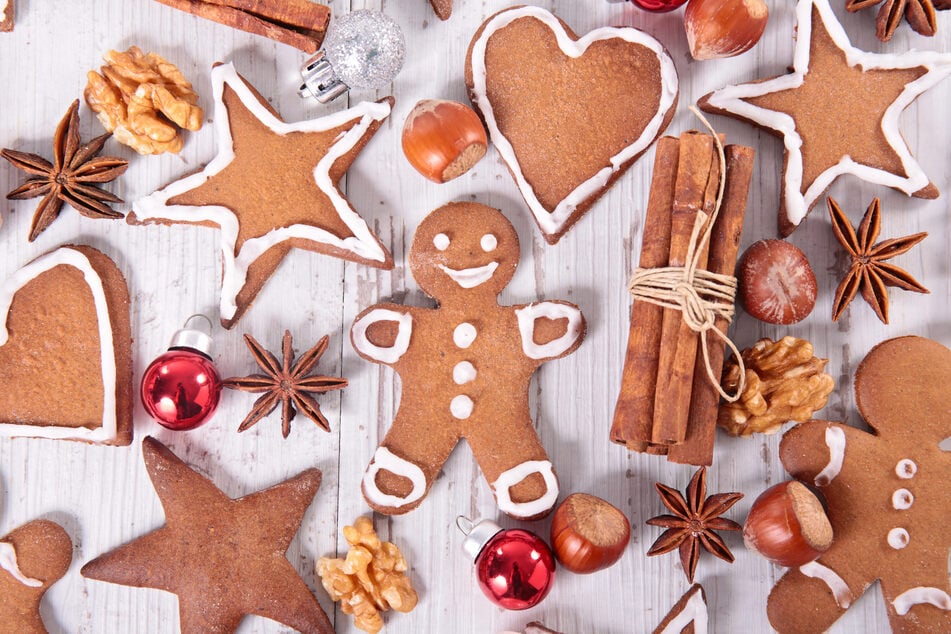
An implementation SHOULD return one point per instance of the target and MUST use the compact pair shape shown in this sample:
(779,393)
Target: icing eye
(441,241)
(489,242)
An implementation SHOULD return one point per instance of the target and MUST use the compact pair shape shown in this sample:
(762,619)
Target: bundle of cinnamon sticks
(668,404)
(298,23)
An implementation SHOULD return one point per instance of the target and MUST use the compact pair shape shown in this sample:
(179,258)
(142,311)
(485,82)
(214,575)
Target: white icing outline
(902,499)
(695,611)
(516,474)
(901,472)
(235,265)
(464,372)
(392,354)
(461,407)
(8,562)
(472,277)
(386,460)
(441,239)
(488,242)
(835,441)
(920,595)
(797,204)
(836,584)
(527,317)
(67,256)
(898,538)
(551,222)
(460,335)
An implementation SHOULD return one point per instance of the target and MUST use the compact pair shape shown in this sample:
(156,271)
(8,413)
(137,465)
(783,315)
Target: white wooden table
(103,497)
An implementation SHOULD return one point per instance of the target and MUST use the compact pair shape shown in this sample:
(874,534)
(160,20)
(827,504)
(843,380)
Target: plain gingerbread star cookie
(32,558)
(887,493)
(465,366)
(224,558)
(272,187)
(837,112)
(442,8)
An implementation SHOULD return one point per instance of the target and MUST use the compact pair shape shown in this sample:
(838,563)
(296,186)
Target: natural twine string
(702,296)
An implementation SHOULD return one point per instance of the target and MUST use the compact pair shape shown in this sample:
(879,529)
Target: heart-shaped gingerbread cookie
(568,115)
(65,349)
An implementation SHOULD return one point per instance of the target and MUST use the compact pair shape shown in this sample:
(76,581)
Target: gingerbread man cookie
(888,496)
(465,366)
(32,558)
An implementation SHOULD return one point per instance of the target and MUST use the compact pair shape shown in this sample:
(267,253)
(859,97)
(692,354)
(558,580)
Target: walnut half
(784,382)
(143,100)
(370,580)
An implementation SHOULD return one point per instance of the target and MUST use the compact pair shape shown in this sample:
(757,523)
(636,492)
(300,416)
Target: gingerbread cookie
(442,8)
(6,15)
(688,616)
(65,349)
(224,558)
(837,112)
(272,186)
(465,366)
(568,115)
(887,494)
(32,558)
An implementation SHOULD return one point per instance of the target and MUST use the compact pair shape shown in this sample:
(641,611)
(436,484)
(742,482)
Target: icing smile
(470,278)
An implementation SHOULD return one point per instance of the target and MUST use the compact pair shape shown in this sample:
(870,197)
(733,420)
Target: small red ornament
(659,6)
(515,568)
(181,388)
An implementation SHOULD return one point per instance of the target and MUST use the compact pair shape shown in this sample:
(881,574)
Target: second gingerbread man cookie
(465,366)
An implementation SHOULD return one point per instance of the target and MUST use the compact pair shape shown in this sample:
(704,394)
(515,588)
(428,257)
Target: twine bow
(702,296)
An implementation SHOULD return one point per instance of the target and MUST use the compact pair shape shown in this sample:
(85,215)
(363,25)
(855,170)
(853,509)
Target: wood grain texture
(102,495)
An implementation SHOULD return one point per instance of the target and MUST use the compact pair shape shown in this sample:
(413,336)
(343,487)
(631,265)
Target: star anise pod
(286,383)
(694,522)
(919,13)
(70,178)
(869,272)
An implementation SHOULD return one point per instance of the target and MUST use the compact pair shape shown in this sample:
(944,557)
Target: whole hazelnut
(787,525)
(588,533)
(724,28)
(443,139)
(776,283)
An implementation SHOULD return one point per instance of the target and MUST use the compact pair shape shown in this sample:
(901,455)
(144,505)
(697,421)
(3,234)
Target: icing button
(906,469)
(464,334)
(461,407)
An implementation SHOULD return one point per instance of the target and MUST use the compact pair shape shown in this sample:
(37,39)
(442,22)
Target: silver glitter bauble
(365,48)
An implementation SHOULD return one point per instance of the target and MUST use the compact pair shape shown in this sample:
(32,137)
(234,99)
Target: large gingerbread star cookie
(887,494)
(837,112)
(224,558)
(272,186)
(32,558)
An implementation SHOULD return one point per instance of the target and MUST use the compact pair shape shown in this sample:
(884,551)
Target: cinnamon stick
(698,179)
(298,23)
(634,412)
(724,247)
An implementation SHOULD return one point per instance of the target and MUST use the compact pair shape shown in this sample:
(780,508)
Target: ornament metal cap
(320,81)
(193,338)
(477,534)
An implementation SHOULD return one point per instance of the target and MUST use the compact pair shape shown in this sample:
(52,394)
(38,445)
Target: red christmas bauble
(659,6)
(181,388)
(515,569)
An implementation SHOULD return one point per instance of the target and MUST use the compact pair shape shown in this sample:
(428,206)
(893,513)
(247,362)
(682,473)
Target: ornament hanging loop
(320,81)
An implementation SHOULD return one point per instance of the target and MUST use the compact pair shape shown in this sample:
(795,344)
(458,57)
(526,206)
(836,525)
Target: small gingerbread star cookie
(32,558)
(272,186)
(837,112)
(887,495)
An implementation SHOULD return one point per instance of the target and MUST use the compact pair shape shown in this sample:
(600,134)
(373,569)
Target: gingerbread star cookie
(66,349)
(442,8)
(688,616)
(272,186)
(837,112)
(567,114)
(32,558)
(224,558)
(887,496)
